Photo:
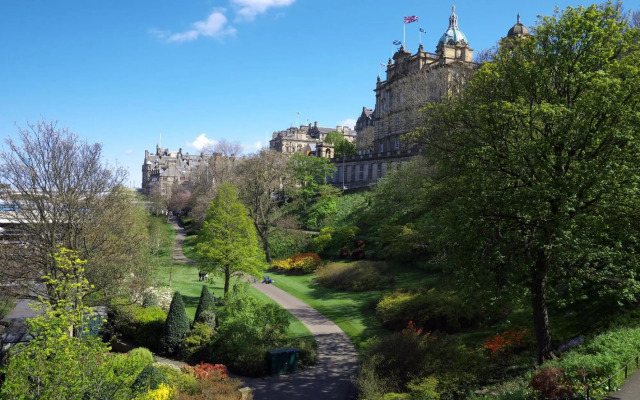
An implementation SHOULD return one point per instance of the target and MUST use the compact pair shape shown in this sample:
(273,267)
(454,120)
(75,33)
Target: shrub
(175,327)
(323,240)
(434,309)
(140,324)
(148,379)
(213,385)
(247,328)
(184,383)
(549,382)
(162,392)
(597,359)
(306,350)
(196,341)
(305,263)
(283,242)
(357,276)
(208,317)
(204,304)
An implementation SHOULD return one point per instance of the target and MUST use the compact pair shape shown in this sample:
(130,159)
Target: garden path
(336,360)
(630,389)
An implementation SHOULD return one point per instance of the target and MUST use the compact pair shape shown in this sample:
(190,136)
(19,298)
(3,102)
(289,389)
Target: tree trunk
(227,277)
(540,313)
(265,247)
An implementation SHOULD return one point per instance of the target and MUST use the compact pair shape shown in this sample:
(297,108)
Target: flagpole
(404,34)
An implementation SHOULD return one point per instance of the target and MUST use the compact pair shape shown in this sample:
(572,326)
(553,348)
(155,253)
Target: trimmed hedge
(175,327)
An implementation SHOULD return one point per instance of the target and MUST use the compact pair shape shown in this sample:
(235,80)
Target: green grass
(184,279)
(352,312)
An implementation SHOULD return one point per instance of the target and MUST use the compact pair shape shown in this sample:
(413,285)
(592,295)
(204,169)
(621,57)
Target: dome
(518,30)
(453,35)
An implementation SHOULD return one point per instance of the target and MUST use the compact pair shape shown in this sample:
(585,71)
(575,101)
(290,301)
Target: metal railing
(608,380)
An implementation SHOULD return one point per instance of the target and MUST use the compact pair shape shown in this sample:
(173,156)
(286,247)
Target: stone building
(307,139)
(412,81)
(164,169)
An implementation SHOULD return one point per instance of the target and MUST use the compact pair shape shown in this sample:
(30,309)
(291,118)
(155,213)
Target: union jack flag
(410,19)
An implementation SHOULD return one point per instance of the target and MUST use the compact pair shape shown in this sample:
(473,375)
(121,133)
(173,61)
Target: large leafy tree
(261,180)
(538,165)
(309,174)
(227,243)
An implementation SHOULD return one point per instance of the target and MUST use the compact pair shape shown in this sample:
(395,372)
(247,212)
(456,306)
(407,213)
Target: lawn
(352,312)
(183,278)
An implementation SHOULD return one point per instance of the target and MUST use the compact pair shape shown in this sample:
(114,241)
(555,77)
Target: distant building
(412,81)
(307,139)
(164,169)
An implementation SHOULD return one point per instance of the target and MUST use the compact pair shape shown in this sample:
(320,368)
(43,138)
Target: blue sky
(125,73)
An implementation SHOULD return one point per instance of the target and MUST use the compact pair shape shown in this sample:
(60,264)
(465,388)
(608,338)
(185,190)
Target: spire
(453,19)
(518,18)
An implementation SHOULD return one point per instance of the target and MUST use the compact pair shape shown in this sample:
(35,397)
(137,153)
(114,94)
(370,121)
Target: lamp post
(343,187)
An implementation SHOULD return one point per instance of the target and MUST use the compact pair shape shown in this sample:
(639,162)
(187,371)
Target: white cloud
(128,151)
(350,122)
(250,8)
(250,147)
(201,142)
(214,26)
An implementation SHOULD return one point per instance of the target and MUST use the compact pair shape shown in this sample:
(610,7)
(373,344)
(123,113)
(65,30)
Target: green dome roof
(453,35)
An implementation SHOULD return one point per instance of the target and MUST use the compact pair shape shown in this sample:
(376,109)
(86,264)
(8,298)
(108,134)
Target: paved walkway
(336,361)
(630,389)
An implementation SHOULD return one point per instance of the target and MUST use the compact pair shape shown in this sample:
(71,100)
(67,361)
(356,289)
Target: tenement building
(307,139)
(412,81)
(165,169)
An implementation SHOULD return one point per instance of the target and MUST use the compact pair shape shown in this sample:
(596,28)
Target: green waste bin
(283,361)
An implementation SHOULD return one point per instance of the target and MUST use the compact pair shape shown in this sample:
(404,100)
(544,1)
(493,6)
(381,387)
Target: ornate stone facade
(164,169)
(412,80)
(307,139)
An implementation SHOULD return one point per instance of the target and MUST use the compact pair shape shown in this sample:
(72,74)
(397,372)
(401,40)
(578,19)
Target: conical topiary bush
(175,327)
(204,304)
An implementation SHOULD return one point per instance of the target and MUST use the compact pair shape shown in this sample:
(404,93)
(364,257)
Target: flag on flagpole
(383,64)
(422,30)
(397,43)
(410,19)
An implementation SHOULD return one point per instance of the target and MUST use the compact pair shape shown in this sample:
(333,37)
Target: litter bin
(283,361)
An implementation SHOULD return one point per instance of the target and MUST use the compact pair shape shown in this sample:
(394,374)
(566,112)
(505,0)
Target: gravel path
(336,361)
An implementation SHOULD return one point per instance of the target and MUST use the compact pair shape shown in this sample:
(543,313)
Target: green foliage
(196,341)
(204,304)
(6,305)
(598,359)
(141,324)
(323,240)
(185,383)
(149,378)
(56,365)
(284,242)
(311,174)
(175,327)
(247,329)
(228,242)
(324,207)
(433,309)
(538,162)
(421,365)
(357,276)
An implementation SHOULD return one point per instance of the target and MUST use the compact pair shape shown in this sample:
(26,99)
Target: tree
(261,180)
(309,174)
(204,304)
(228,242)
(342,146)
(61,361)
(537,165)
(175,327)
(66,197)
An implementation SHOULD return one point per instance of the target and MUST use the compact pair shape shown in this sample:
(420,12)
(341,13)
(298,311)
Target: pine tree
(204,304)
(175,327)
